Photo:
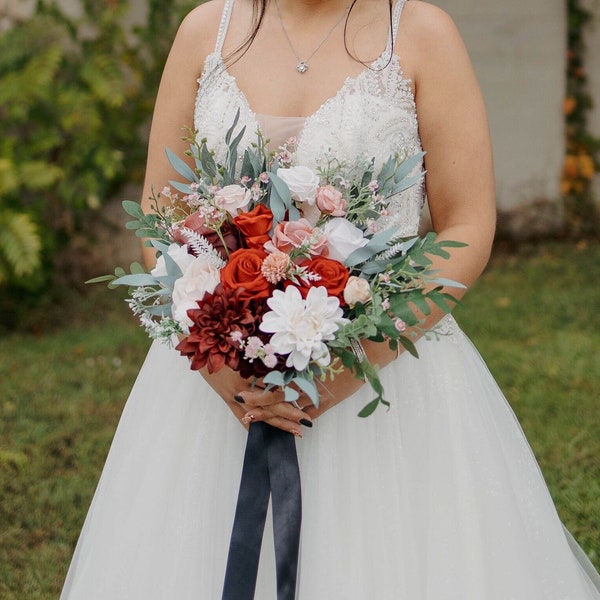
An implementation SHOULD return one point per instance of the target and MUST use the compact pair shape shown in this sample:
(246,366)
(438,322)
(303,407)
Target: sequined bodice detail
(373,115)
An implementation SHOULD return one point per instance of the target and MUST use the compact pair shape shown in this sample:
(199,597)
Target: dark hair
(259,7)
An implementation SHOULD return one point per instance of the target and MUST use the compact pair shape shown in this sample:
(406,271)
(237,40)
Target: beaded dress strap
(386,54)
(224,25)
(396,17)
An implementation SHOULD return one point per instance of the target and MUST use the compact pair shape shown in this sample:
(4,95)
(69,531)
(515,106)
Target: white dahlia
(302,326)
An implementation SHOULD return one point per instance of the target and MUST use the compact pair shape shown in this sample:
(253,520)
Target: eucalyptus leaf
(449,283)
(136,279)
(420,302)
(369,409)
(208,162)
(233,155)
(407,165)
(290,394)
(162,310)
(136,267)
(274,378)
(101,279)
(232,128)
(184,188)
(410,347)
(133,208)
(309,387)
(173,269)
(406,183)
(181,166)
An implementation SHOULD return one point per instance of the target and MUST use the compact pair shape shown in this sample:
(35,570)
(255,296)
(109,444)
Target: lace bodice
(373,115)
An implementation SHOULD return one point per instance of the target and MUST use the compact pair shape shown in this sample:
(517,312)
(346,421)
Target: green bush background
(76,95)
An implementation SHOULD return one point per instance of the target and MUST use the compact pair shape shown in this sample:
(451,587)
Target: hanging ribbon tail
(270,467)
(287,509)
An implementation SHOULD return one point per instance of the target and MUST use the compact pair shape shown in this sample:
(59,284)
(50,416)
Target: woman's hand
(250,403)
(269,406)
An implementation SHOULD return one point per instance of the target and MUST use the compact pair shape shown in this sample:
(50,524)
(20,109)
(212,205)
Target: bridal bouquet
(278,270)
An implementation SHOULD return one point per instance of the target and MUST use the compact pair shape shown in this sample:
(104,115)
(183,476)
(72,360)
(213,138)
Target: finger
(291,412)
(258,397)
(279,422)
(239,411)
(282,412)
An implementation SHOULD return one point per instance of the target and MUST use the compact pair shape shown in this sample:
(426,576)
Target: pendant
(301,67)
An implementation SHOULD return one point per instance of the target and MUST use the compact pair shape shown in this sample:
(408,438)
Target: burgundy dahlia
(217,317)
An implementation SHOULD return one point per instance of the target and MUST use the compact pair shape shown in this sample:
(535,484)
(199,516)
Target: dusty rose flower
(275,267)
(290,235)
(357,290)
(400,325)
(270,361)
(196,223)
(331,201)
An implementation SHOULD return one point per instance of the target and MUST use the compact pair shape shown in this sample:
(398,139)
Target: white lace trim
(373,115)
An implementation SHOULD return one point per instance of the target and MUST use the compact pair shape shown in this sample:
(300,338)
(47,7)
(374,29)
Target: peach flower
(331,201)
(290,235)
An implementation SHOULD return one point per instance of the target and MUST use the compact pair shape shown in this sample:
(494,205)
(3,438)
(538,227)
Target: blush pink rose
(233,198)
(289,235)
(331,201)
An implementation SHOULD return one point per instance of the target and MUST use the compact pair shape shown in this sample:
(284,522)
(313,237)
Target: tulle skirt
(439,498)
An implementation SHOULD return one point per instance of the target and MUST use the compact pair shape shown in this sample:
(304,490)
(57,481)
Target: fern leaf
(20,244)
(104,76)
(37,175)
(9,178)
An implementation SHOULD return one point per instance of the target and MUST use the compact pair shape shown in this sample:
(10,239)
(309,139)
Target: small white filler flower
(302,326)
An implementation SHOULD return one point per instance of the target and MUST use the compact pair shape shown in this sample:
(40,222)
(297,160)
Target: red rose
(196,223)
(255,226)
(334,276)
(244,271)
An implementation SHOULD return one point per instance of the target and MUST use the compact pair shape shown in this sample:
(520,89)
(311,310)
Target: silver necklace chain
(302,65)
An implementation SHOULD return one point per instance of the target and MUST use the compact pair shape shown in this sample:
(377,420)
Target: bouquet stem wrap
(270,469)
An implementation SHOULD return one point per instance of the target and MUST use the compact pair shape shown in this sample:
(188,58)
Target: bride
(440,498)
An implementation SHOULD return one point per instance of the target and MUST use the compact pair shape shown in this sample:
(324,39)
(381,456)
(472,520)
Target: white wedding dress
(440,498)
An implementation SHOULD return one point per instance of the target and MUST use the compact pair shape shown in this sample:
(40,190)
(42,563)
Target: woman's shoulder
(428,36)
(200,26)
(426,22)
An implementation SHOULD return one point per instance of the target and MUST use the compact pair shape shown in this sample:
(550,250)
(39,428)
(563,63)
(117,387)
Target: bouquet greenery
(278,270)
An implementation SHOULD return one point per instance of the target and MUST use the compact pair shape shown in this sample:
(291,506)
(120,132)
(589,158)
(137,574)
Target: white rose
(199,278)
(343,238)
(232,198)
(357,290)
(302,181)
(179,254)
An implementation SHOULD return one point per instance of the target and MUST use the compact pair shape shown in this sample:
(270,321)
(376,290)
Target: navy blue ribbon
(270,469)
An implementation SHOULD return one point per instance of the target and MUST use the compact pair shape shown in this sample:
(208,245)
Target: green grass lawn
(534,315)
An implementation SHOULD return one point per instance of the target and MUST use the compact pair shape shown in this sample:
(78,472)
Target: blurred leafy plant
(75,96)
(582,159)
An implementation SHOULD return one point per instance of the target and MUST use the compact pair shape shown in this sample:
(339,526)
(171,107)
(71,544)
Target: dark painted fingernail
(239,399)
(305,422)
